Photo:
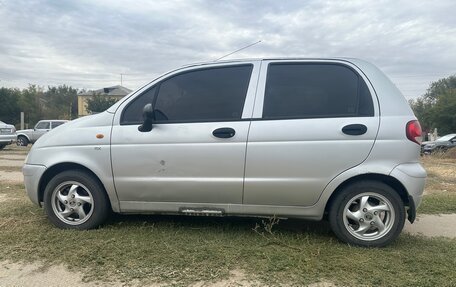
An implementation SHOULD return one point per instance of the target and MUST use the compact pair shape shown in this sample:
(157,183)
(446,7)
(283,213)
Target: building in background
(114,92)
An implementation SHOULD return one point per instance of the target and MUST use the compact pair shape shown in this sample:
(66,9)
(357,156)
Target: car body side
(77,146)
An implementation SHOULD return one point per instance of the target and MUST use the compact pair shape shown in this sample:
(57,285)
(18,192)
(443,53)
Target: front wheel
(76,200)
(367,213)
(22,141)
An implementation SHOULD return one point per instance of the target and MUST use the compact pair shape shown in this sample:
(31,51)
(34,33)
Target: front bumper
(32,175)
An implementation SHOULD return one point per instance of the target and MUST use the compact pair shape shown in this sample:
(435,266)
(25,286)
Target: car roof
(271,59)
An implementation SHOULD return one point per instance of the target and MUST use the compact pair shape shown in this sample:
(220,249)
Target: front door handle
(224,133)
(354,129)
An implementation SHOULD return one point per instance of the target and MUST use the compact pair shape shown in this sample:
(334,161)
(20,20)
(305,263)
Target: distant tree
(99,103)
(31,103)
(9,107)
(58,102)
(61,102)
(437,107)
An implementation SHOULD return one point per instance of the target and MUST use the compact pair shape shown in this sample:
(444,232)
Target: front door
(40,129)
(196,150)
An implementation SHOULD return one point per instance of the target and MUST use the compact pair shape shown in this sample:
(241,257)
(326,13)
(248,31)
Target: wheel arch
(386,179)
(23,135)
(64,166)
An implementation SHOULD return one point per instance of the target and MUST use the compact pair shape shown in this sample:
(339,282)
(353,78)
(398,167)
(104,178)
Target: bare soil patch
(37,275)
(33,274)
(11,177)
(11,163)
(9,156)
(431,225)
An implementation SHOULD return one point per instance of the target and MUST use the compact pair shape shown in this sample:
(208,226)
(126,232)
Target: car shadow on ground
(239,223)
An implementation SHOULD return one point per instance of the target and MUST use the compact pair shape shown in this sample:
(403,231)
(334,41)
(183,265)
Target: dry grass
(178,250)
(440,190)
(441,174)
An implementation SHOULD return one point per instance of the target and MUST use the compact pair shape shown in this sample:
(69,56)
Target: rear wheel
(367,213)
(2,146)
(22,141)
(76,200)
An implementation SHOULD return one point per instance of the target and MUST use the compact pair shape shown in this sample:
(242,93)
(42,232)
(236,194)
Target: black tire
(376,234)
(87,187)
(22,141)
(2,146)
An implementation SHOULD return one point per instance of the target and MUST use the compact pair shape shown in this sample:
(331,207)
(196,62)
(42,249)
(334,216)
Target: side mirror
(148,118)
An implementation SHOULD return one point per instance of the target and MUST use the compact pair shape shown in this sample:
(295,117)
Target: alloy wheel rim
(368,216)
(72,202)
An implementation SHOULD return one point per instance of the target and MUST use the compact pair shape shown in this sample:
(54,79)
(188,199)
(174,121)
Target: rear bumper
(7,139)
(32,175)
(413,177)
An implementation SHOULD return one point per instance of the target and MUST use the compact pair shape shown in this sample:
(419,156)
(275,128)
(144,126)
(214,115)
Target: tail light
(413,131)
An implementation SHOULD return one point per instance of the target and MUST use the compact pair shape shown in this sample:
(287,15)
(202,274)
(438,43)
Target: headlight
(429,145)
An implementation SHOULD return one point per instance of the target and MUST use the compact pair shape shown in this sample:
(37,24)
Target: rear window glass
(311,90)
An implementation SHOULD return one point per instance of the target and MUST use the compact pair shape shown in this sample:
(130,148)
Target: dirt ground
(10,165)
(433,225)
(35,275)
(14,274)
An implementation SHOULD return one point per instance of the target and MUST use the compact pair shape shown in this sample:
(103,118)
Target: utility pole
(121,80)
(22,120)
(71,109)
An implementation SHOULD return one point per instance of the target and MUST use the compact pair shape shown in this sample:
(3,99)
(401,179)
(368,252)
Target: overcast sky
(88,44)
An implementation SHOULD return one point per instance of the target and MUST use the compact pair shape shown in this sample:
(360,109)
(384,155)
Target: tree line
(437,107)
(38,103)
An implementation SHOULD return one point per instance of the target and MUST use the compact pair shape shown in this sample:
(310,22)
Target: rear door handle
(224,133)
(354,129)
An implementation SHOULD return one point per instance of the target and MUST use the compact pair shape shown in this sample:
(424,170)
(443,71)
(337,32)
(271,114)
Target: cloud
(88,44)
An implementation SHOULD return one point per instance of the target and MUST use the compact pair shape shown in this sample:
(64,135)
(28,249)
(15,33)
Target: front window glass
(133,112)
(203,95)
(42,126)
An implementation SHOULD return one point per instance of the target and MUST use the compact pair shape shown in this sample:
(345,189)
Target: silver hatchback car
(302,138)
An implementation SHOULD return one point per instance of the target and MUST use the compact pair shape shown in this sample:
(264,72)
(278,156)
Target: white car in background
(7,134)
(24,137)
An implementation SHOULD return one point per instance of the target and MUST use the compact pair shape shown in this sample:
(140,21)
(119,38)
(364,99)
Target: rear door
(56,124)
(195,152)
(312,121)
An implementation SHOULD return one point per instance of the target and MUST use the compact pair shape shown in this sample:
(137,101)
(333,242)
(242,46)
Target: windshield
(446,138)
